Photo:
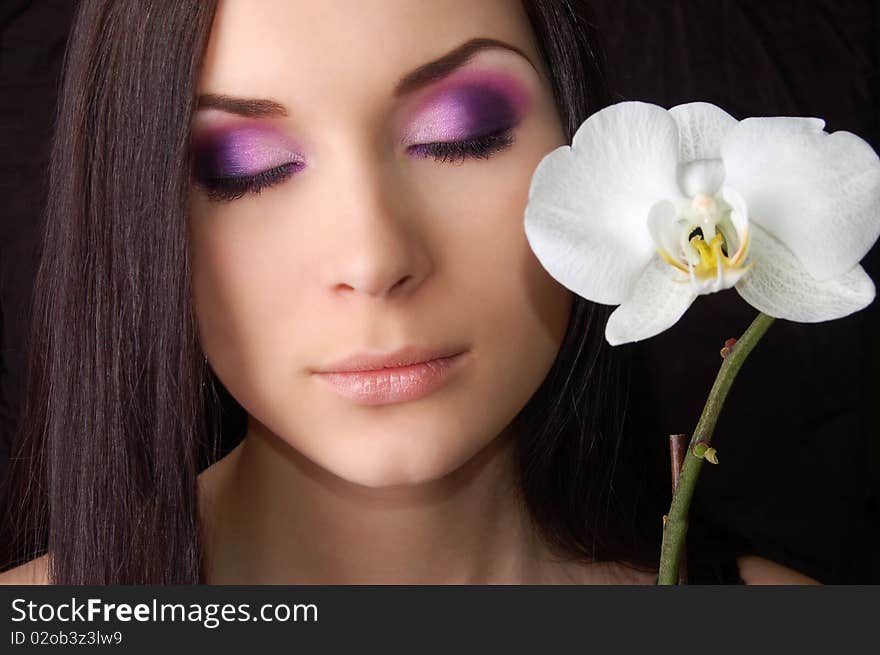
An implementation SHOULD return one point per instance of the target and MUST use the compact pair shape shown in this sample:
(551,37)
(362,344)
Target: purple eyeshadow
(479,105)
(239,152)
(470,105)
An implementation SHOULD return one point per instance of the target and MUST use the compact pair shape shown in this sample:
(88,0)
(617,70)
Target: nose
(377,243)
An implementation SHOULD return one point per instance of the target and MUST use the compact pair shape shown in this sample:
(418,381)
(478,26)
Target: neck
(272,516)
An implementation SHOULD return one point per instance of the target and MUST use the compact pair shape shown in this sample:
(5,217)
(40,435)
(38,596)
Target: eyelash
(227,189)
(479,147)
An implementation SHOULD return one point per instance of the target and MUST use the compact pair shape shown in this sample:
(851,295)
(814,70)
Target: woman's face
(364,241)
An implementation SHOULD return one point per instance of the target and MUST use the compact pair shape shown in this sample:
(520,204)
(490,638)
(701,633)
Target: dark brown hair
(117,419)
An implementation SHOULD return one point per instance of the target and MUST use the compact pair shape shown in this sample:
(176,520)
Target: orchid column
(648,209)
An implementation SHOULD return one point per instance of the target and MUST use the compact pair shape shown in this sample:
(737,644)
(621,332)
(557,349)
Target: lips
(376,361)
(394,384)
(409,373)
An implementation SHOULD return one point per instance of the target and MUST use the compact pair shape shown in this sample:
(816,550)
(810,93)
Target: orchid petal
(665,228)
(817,193)
(780,286)
(588,203)
(702,127)
(660,297)
(739,218)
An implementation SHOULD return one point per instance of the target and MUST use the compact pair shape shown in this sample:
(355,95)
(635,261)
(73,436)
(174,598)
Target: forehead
(301,52)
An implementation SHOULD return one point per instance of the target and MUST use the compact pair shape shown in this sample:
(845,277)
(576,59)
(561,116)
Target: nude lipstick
(368,382)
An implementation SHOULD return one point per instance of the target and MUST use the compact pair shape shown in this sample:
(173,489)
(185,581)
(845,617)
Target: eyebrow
(422,76)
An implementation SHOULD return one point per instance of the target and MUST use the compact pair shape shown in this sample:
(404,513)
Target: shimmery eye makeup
(472,115)
(231,161)
(471,105)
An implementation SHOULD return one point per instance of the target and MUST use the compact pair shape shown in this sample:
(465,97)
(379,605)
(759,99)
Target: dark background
(799,439)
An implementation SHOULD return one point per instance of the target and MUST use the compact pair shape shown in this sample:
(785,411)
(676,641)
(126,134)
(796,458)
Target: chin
(385,457)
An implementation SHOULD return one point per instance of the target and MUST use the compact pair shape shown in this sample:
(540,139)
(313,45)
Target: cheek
(519,312)
(244,291)
(494,261)
(524,312)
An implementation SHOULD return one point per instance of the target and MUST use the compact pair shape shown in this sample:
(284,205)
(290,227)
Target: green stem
(675,529)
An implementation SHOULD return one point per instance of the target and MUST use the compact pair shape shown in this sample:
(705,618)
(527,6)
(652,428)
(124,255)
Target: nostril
(400,283)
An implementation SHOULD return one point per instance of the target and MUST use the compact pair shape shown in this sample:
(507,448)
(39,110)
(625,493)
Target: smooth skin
(371,248)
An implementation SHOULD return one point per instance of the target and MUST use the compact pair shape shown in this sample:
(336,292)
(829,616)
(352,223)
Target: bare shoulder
(756,570)
(34,572)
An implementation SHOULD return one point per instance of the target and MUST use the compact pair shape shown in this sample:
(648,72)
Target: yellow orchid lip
(711,254)
(713,265)
(684,230)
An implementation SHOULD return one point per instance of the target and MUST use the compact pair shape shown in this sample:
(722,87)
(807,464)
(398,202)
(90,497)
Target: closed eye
(479,147)
(227,189)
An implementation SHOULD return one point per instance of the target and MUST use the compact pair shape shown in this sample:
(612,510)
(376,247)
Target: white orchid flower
(649,208)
